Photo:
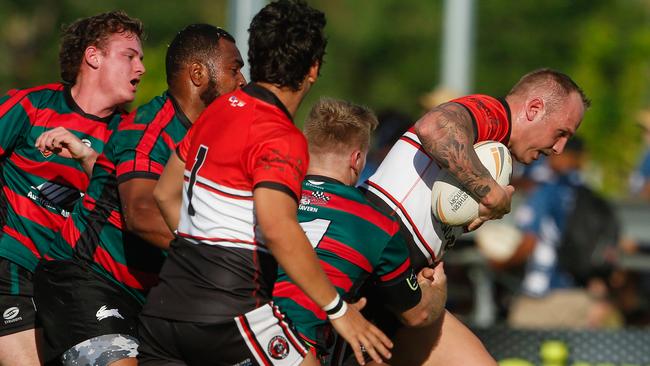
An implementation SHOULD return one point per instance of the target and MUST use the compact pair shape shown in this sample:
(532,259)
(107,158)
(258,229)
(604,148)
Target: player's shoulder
(160,107)
(35,92)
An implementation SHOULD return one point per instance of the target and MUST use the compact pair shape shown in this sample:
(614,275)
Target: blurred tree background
(386,54)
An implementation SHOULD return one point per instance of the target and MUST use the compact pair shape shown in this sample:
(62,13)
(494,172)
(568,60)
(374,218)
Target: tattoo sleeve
(447,135)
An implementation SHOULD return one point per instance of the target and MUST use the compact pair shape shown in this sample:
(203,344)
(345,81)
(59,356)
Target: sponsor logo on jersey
(10,315)
(278,347)
(104,312)
(47,153)
(319,198)
(235,102)
(304,205)
(55,197)
(412,281)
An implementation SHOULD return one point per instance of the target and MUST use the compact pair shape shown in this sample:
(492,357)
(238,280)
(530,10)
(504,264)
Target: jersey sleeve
(14,120)
(279,161)
(396,279)
(141,152)
(490,116)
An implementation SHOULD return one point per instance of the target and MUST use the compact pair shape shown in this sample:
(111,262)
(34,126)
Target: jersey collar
(67,94)
(322,178)
(261,93)
(505,105)
(179,112)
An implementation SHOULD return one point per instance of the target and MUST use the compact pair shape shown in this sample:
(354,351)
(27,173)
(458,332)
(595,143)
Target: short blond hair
(336,125)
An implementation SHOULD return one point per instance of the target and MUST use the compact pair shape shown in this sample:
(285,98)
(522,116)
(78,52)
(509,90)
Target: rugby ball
(455,206)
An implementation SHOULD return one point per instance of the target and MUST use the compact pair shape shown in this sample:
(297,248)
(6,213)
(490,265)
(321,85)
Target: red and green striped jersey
(40,189)
(95,231)
(355,243)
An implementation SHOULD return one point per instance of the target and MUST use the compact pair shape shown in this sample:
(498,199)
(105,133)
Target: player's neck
(91,99)
(290,98)
(333,166)
(190,103)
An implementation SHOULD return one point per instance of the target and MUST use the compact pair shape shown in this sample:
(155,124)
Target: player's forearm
(447,135)
(430,307)
(147,223)
(296,256)
(88,162)
(170,210)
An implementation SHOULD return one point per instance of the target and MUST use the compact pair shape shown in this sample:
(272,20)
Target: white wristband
(340,312)
(334,303)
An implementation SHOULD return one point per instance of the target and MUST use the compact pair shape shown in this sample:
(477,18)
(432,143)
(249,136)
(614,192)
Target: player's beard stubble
(210,93)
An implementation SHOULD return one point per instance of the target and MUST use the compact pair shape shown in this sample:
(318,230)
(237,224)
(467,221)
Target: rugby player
(538,116)
(100,61)
(355,242)
(239,174)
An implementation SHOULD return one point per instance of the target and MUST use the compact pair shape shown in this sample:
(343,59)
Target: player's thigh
(446,342)
(19,349)
(19,341)
(83,312)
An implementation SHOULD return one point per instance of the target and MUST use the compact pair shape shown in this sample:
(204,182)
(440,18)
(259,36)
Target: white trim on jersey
(219,187)
(225,243)
(219,218)
(269,337)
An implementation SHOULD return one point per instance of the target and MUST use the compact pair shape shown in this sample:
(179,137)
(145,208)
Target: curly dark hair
(195,42)
(286,39)
(89,31)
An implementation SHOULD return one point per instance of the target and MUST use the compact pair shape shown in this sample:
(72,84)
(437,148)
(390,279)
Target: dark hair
(90,31)
(286,39)
(560,84)
(196,42)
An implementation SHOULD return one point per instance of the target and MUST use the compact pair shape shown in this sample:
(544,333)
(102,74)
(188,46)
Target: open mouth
(135,82)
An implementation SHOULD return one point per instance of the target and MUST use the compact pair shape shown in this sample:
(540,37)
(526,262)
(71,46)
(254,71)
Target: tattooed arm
(447,134)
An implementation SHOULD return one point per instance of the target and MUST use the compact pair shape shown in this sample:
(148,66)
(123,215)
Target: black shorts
(75,303)
(16,304)
(259,337)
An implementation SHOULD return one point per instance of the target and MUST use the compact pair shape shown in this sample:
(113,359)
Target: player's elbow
(136,214)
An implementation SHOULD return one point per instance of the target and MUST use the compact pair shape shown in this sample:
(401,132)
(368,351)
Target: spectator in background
(640,179)
(555,293)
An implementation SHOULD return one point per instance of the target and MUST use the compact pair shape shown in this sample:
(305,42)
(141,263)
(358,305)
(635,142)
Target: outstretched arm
(447,135)
(277,218)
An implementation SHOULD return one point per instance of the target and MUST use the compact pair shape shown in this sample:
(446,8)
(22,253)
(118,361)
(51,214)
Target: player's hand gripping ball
(451,203)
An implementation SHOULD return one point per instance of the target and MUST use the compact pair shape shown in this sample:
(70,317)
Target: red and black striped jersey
(40,189)
(402,183)
(95,231)
(242,141)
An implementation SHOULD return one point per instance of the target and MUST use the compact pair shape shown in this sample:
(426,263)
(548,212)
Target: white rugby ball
(451,203)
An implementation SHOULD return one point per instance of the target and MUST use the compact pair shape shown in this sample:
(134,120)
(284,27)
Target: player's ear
(91,56)
(357,161)
(197,73)
(534,108)
(312,76)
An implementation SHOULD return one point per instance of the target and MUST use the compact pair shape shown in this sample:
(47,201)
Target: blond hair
(337,125)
